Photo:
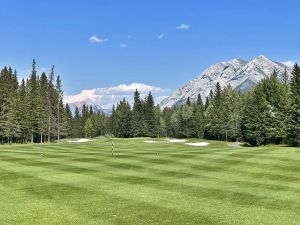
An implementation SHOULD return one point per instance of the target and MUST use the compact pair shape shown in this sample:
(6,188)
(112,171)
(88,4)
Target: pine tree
(138,121)
(157,116)
(112,121)
(231,110)
(99,123)
(186,115)
(89,129)
(166,115)
(78,129)
(59,106)
(70,121)
(198,119)
(188,101)
(264,113)
(293,129)
(175,124)
(24,107)
(215,115)
(50,103)
(33,94)
(9,123)
(254,117)
(162,127)
(149,115)
(123,119)
(199,101)
(42,105)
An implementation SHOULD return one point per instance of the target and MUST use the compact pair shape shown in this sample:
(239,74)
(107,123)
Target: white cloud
(289,63)
(95,39)
(107,96)
(160,36)
(123,45)
(183,27)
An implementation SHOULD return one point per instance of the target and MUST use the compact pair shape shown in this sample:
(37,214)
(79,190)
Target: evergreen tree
(42,105)
(157,116)
(198,119)
(112,121)
(34,100)
(293,129)
(214,114)
(138,122)
(51,98)
(166,116)
(59,107)
(89,129)
(264,113)
(24,106)
(188,101)
(186,115)
(99,123)
(78,129)
(175,124)
(149,115)
(231,110)
(70,121)
(124,118)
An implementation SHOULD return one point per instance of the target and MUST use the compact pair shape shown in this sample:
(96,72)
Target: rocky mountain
(240,74)
(96,108)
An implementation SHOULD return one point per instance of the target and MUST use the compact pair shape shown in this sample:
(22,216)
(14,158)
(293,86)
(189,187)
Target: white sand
(81,140)
(151,141)
(177,140)
(198,144)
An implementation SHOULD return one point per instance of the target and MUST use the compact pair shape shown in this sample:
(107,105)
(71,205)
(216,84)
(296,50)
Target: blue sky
(139,41)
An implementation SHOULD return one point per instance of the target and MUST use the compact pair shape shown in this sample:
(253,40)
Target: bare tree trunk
(49,129)
(41,137)
(58,121)
(58,132)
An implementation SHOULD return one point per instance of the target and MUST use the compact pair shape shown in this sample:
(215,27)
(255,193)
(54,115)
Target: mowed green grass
(81,183)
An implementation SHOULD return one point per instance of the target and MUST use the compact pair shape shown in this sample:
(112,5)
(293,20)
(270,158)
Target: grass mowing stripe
(38,191)
(169,189)
(84,170)
(166,173)
(113,163)
(217,195)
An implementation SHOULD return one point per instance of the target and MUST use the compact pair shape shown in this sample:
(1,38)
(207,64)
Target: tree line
(33,111)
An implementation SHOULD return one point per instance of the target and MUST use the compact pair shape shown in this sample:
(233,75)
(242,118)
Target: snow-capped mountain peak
(240,74)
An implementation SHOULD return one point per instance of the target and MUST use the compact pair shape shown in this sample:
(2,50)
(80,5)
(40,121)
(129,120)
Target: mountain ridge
(240,74)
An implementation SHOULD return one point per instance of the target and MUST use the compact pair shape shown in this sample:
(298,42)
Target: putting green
(148,183)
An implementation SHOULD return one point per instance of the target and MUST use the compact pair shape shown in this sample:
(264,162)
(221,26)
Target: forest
(33,111)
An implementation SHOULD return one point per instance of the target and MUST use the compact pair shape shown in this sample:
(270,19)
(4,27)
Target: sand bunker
(151,141)
(81,140)
(198,144)
(176,140)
